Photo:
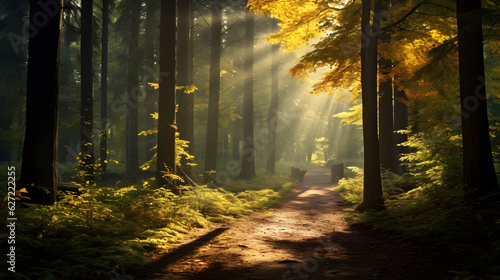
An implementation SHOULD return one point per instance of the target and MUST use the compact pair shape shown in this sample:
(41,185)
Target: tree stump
(337,171)
(298,174)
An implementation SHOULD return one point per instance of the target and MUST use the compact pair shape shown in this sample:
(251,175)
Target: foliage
(187,89)
(435,159)
(437,215)
(181,150)
(115,226)
(427,204)
(353,116)
(352,188)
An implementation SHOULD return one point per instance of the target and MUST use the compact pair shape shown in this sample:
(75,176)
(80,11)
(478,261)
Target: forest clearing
(250,139)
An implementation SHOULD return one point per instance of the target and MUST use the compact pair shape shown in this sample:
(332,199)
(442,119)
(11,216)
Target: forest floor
(305,237)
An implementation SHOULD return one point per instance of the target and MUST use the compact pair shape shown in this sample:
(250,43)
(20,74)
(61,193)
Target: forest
(228,139)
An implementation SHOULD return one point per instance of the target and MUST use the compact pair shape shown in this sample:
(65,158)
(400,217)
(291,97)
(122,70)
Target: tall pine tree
(478,169)
(166,150)
(87,92)
(248,154)
(214,89)
(372,183)
(39,160)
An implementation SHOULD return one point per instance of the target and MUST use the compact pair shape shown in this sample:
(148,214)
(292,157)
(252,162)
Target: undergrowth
(433,214)
(110,229)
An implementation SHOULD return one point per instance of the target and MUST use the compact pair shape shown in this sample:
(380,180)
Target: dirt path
(305,238)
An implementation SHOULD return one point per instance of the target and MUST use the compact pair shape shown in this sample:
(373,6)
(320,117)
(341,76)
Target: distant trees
(211,144)
(104,87)
(185,114)
(248,154)
(13,57)
(166,149)
(132,112)
(417,69)
(39,159)
(272,115)
(150,75)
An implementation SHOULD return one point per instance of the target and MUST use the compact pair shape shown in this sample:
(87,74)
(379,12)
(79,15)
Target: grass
(116,225)
(437,216)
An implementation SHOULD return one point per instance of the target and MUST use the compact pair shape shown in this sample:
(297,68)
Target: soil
(306,237)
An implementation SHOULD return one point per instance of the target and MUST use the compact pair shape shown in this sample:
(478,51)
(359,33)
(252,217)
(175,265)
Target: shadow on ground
(305,238)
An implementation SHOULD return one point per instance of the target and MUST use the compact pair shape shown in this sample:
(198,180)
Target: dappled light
(230,139)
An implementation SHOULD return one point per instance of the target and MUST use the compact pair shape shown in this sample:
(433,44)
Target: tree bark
(386,118)
(190,99)
(214,90)
(185,111)
(272,115)
(104,87)
(372,185)
(39,159)
(87,92)
(132,114)
(478,169)
(150,76)
(248,157)
(166,151)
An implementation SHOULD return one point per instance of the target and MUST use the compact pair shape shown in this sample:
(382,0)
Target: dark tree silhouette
(166,151)
(132,112)
(39,159)
(104,86)
(87,92)
(372,185)
(478,169)
(214,89)
(386,119)
(185,114)
(150,75)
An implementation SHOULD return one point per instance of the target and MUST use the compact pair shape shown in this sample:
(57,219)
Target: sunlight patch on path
(265,247)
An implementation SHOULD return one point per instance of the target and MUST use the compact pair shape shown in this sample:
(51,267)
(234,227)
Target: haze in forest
(128,125)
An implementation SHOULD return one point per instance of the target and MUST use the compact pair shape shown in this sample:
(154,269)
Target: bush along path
(306,237)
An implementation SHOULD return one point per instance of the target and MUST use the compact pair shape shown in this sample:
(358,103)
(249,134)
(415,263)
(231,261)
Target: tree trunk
(272,115)
(150,76)
(372,185)
(236,131)
(183,78)
(248,157)
(386,119)
(166,151)
(87,92)
(132,115)
(478,169)
(104,86)
(400,123)
(190,98)
(39,159)
(214,90)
